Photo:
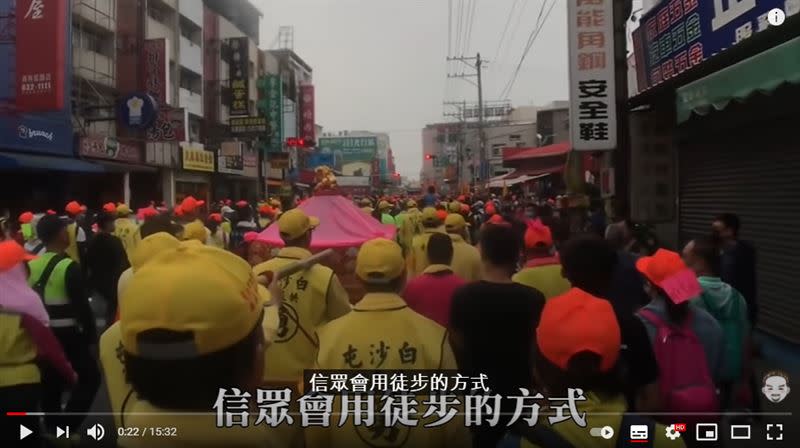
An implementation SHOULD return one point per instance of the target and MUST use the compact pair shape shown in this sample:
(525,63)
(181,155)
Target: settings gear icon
(671,433)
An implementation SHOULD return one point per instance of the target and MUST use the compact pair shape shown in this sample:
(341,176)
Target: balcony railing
(101,14)
(93,66)
(191,101)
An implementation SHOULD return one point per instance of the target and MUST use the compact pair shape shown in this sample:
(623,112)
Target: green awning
(761,73)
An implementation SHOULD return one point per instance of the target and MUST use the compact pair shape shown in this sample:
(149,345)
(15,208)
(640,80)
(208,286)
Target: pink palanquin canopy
(342,224)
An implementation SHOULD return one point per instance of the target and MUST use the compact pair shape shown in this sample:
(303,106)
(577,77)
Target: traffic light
(429,156)
(296,142)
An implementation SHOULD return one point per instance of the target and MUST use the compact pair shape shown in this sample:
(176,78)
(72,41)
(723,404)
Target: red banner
(307,127)
(41,54)
(156,69)
(170,126)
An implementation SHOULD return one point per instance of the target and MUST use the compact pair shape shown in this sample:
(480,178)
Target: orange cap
(266,210)
(190,204)
(441,214)
(50,211)
(249,237)
(242,204)
(178,211)
(216,217)
(490,209)
(461,198)
(465,209)
(12,254)
(74,208)
(577,322)
(149,212)
(110,207)
(667,270)
(498,221)
(538,234)
(25,217)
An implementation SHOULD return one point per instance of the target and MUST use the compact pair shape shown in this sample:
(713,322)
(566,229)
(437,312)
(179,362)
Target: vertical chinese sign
(41,56)
(156,70)
(307,131)
(239,76)
(273,90)
(593,119)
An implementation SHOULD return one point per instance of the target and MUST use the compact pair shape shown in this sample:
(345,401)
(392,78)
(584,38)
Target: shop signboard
(352,156)
(678,35)
(109,148)
(272,107)
(239,75)
(307,126)
(231,158)
(248,126)
(250,163)
(196,158)
(593,111)
(156,69)
(278,160)
(137,110)
(42,29)
(169,126)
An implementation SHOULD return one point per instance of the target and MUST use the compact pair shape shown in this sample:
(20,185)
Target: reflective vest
(17,353)
(72,250)
(128,232)
(388,219)
(56,298)
(383,333)
(466,259)
(304,308)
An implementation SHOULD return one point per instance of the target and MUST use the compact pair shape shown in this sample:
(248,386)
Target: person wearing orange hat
(384,334)
(466,257)
(510,317)
(314,296)
(26,226)
(542,267)
(186,341)
(126,229)
(59,282)
(216,234)
(265,216)
(680,333)
(589,263)
(26,343)
(417,259)
(578,343)
(77,234)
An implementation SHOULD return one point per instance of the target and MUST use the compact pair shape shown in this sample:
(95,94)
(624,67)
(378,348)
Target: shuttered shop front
(754,172)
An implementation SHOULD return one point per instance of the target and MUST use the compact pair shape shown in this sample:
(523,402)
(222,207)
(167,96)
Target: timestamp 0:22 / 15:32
(147,431)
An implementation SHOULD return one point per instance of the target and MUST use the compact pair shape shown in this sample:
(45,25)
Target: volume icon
(97,432)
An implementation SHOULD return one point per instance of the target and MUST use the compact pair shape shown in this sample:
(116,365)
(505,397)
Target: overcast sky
(379,65)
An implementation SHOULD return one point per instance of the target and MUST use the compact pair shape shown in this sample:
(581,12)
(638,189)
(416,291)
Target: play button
(24,432)
(607,432)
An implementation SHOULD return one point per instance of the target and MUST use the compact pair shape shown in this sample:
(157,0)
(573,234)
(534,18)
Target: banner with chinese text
(307,130)
(170,126)
(42,28)
(272,108)
(593,111)
(196,158)
(239,75)
(156,69)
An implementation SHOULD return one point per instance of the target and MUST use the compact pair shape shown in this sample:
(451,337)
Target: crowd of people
(159,307)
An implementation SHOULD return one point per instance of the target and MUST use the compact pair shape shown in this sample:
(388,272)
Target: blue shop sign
(320,159)
(678,35)
(46,133)
(138,110)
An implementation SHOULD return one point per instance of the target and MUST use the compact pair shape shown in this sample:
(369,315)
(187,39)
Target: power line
(458,27)
(534,34)
(471,25)
(513,31)
(449,27)
(505,28)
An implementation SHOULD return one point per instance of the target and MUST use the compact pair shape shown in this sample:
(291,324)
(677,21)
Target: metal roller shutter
(753,172)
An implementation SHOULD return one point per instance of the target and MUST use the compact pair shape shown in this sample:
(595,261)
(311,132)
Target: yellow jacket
(128,232)
(466,259)
(17,353)
(547,279)
(417,259)
(382,333)
(311,298)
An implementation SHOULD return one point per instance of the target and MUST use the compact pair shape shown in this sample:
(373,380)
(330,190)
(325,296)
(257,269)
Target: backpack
(547,437)
(733,334)
(685,379)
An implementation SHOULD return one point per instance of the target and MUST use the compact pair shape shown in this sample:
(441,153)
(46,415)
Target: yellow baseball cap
(380,261)
(151,246)
(365,202)
(430,217)
(454,207)
(195,230)
(411,203)
(123,210)
(455,222)
(295,223)
(384,205)
(207,292)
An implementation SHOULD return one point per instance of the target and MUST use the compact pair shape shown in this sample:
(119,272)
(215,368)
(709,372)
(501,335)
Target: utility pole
(476,64)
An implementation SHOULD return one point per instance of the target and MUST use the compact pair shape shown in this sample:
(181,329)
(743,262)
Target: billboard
(680,34)
(307,127)
(271,106)
(46,131)
(196,158)
(593,109)
(239,75)
(352,156)
(319,159)
(231,158)
(248,126)
(156,69)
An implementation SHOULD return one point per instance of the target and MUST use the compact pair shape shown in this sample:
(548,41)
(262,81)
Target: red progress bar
(16,414)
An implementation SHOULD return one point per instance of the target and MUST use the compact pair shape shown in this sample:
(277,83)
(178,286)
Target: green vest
(388,219)
(55,292)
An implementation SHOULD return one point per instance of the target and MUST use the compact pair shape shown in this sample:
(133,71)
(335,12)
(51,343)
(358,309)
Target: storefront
(720,137)
(195,177)
(237,173)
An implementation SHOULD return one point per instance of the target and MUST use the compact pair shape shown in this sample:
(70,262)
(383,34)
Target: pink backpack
(685,380)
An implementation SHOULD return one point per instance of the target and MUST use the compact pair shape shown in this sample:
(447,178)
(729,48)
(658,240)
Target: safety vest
(72,250)
(383,333)
(17,352)
(466,259)
(56,298)
(546,278)
(128,232)
(388,219)
(417,259)
(303,310)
